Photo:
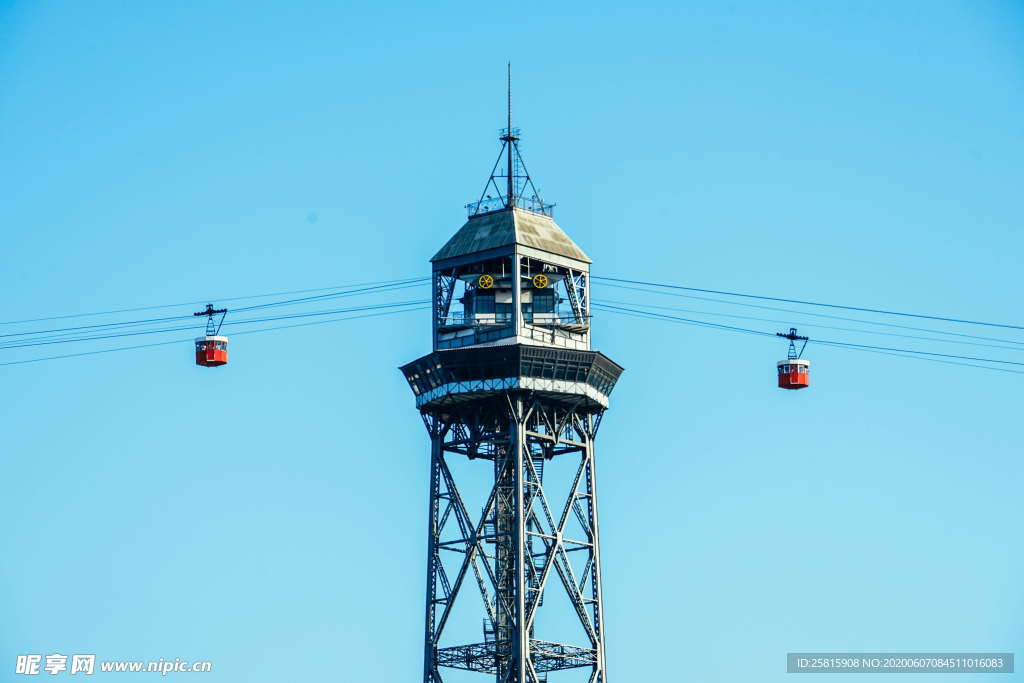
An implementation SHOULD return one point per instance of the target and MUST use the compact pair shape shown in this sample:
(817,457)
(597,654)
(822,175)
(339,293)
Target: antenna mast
(510,190)
(518,186)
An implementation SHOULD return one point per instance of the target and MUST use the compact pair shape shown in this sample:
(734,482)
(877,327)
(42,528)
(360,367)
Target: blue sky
(270,516)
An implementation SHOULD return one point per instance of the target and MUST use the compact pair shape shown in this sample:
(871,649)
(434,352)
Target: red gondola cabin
(211,351)
(794,373)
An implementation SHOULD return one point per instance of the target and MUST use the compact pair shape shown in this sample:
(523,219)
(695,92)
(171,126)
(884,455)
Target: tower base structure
(515,407)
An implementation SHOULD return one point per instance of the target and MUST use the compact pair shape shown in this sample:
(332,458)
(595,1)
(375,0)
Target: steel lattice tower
(512,382)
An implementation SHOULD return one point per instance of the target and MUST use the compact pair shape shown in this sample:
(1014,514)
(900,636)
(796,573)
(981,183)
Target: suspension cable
(342,294)
(828,316)
(812,303)
(181,341)
(119,335)
(663,316)
(203,301)
(1019,348)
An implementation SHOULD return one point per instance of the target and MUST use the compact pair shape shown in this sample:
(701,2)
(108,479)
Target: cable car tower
(512,385)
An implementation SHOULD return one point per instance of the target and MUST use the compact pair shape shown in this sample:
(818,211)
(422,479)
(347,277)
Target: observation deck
(445,379)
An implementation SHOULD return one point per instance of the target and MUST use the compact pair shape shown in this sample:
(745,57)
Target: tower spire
(518,190)
(510,201)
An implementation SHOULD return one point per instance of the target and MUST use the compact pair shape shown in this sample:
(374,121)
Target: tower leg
(430,674)
(600,674)
(522,636)
(505,481)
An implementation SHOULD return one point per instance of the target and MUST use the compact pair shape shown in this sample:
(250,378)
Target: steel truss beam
(444,288)
(545,657)
(519,541)
(576,287)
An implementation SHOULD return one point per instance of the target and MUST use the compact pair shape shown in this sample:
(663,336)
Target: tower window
(484,303)
(544,301)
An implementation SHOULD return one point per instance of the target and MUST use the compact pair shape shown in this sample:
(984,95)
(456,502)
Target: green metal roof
(506,227)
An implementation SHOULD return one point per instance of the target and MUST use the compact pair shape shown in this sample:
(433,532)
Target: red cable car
(794,372)
(212,349)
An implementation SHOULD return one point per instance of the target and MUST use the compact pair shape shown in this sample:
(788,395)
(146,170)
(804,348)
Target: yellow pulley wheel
(540,281)
(485,282)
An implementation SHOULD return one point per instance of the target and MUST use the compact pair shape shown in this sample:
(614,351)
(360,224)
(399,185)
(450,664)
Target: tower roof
(510,226)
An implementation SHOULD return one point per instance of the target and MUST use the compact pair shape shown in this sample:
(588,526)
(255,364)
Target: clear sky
(270,516)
